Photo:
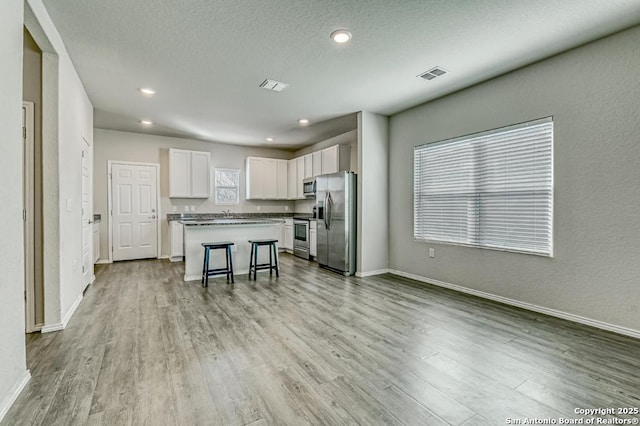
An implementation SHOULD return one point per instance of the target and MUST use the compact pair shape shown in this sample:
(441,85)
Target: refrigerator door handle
(325,213)
(329,210)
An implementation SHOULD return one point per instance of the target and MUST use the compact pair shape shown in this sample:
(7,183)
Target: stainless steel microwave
(309,188)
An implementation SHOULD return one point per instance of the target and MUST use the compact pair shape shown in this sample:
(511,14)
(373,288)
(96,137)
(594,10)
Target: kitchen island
(239,231)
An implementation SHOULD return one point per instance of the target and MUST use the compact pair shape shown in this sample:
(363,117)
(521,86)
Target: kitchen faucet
(227,213)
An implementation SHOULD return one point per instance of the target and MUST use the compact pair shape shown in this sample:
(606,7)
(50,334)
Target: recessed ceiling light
(341,36)
(270,139)
(148,91)
(146,122)
(303,121)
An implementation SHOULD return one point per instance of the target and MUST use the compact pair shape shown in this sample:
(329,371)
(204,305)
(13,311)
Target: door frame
(28,146)
(110,164)
(91,276)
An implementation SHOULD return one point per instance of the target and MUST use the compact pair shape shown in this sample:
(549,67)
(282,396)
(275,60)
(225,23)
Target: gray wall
(12,346)
(593,93)
(138,147)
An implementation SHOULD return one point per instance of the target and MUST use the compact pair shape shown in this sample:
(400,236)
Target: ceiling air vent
(276,86)
(432,73)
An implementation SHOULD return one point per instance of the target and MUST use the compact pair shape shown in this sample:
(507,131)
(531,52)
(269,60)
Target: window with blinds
(492,189)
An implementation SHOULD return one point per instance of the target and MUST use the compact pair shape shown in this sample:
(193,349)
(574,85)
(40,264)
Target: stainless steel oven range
(301,238)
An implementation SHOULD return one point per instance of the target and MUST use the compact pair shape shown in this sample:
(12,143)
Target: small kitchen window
(227,186)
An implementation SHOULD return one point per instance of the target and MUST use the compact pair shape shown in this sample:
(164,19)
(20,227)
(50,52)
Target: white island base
(195,235)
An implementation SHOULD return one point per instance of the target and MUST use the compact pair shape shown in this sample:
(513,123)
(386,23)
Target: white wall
(138,147)
(12,348)
(67,117)
(373,193)
(593,94)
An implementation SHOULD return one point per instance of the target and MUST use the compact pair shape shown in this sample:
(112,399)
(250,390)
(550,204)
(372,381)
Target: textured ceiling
(206,58)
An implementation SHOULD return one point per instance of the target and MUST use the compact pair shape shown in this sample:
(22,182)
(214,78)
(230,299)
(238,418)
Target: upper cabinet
(189,174)
(292,174)
(330,160)
(266,179)
(273,179)
(308,166)
(317,163)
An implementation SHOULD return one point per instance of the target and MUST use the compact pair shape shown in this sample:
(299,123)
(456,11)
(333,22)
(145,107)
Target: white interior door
(134,211)
(87,215)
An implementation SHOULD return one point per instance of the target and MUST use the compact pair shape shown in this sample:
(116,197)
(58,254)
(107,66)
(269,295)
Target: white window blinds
(492,189)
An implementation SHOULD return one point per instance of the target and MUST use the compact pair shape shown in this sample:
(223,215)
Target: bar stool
(253,258)
(206,272)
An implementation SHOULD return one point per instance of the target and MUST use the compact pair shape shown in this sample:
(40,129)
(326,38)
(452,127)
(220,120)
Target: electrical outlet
(286,208)
(174,208)
(432,252)
(257,208)
(186,208)
(193,208)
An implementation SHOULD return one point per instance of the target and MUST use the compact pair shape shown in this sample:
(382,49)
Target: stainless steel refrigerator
(336,221)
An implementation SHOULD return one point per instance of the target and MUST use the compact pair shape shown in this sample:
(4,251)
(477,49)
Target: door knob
(153,217)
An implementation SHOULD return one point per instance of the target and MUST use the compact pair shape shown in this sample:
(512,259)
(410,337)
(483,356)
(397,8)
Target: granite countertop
(199,217)
(229,221)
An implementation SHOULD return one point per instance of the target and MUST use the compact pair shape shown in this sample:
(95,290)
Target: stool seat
(254,266)
(219,244)
(208,272)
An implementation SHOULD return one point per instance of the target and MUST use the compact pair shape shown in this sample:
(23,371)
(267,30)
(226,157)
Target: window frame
(477,223)
(216,186)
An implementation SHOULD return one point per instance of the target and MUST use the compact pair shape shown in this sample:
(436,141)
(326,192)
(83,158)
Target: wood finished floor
(312,347)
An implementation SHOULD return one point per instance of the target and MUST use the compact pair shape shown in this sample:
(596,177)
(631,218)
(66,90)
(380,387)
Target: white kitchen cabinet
(189,174)
(95,232)
(313,238)
(292,182)
(316,163)
(262,178)
(176,238)
(288,235)
(330,162)
(308,166)
(282,184)
(300,171)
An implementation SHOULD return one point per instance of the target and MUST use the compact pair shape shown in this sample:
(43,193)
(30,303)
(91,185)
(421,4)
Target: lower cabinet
(313,238)
(176,241)
(288,235)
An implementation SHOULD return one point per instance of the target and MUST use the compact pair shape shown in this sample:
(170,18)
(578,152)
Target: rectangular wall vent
(276,86)
(432,73)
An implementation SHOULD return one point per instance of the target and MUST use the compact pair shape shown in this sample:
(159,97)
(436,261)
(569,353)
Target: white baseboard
(104,261)
(51,327)
(65,320)
(371,273)
(8,401)
(164,256)
(524,305)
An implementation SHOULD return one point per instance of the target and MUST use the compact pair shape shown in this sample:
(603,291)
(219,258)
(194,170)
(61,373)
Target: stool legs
(275,254)
(207,272)
(205,268)
(254,266)
(229,264)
